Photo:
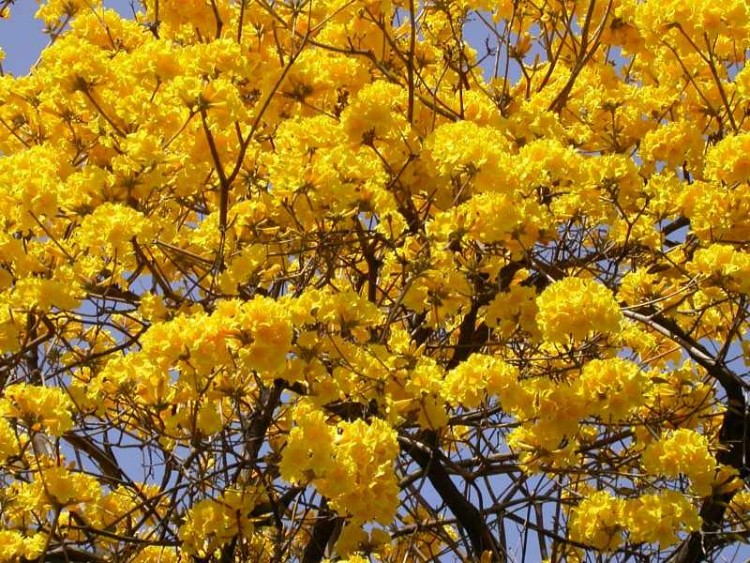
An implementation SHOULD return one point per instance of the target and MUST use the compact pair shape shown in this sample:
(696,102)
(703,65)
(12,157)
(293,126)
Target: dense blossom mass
(362,280)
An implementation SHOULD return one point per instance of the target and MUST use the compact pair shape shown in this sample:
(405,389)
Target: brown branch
(732,436)
(410,62)
(107,463)
(223,182)
(323,533)
(559,102)
(470,519)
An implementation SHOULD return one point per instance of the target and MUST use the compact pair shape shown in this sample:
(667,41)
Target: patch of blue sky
(22,37)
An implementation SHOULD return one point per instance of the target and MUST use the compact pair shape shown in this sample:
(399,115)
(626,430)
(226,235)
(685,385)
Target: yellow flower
(156,554)
(44,294)
(64,487)
(683,452)
(52,11)
(613,387)
(724,264)
(350,463)
(8,440)
(513,310)
(210,523)
(576,308)
(673,143)
(14,546)
(479,375)
(206,528)
(728,160)
(473,153)
(658,517)
(597,521)
(38,407)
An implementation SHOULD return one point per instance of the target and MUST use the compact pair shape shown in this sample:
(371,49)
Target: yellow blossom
(575,308)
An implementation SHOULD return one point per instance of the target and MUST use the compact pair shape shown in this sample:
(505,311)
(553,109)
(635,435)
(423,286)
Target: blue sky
(22,37)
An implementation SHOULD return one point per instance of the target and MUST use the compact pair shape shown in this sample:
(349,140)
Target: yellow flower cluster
(551,412)
(8,440)
(516,309)
(597,521)
(51,12)
(728,161)
(600,519)
(680,393)
(116,506)
(153,553)
(612,388)
(673,144)
(62,487)
(53,489)
(723,265)
(210,523)
(39,408)
(467,384)
(659,517)
(683,452)
(333,457)
(250,337)
(442,294)
(575,308)
(739,508)
(14,546)
(471,153)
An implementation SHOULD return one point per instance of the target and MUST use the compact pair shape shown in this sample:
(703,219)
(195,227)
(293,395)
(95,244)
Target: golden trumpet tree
(449,280)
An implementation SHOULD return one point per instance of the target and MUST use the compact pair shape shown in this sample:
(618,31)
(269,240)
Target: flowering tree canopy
(306,280)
